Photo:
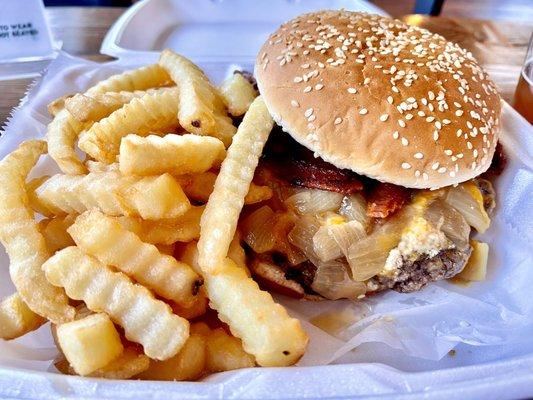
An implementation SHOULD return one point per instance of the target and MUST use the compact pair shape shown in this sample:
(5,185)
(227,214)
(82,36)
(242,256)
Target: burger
(384,136)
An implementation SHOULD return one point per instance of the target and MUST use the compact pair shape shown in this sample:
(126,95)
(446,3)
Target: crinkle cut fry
(166,231)
(265,328)
(219,220)
(128,365)
(61,135)
(106,239)
(16,319)
(201,107)
(199,187)
(145,320)
(22,240)
(238,93)
(175,154)
(94,107)
(64,129)
(155,111)
(151,197)
(142,78)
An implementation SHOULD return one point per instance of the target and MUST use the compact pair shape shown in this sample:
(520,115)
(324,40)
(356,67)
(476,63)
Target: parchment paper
(411,332)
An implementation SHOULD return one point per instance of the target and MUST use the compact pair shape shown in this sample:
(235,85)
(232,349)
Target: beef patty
(292,164)
(413,276)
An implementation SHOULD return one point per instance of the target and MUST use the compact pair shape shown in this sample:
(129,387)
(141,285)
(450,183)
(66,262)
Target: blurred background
(497,32)
(517,10)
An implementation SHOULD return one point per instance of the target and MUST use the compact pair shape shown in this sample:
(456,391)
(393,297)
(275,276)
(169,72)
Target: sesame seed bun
(385,99)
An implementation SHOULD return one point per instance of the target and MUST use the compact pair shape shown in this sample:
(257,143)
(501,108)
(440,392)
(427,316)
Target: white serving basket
(402,342)
(208,30)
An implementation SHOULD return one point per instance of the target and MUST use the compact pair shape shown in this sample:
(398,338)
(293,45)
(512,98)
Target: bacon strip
(320,175)
(297,165)
(385,199)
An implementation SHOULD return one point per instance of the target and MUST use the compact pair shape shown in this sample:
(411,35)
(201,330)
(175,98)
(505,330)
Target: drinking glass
(523,97)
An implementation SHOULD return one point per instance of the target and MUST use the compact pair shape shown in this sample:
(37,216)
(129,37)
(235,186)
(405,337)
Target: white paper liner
(409,331)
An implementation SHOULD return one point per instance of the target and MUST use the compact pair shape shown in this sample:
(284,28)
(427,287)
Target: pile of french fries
(133,253)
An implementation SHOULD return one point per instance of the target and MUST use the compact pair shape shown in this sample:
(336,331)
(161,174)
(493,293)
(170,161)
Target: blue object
(430,7)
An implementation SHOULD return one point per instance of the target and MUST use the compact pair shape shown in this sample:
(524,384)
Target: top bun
(391,101)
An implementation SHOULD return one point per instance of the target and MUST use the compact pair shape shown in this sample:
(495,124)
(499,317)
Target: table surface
(500,46)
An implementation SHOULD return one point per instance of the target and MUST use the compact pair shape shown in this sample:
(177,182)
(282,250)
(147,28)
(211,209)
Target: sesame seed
(417,173)
(366,81)
(408,116)
(441,170)
(390,99)
(425,176)
(294,103)
(475,153)
(311,118)
(459,132)
(419,156)
(438,125)
(452,174)
(298,79)
(469,145)
(384,117)
(363,111)
(459,113)
(435,166)
(308,89)
(337,121)
(435,136)
(448,152)
(352,90)
(308,112)
(319,86)
(406,165)
(395,135)
(430,119)
(405,142)
(401,122)
(421,114)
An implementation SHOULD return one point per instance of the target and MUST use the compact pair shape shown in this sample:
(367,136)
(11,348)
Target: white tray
(206,30)
(478,370)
